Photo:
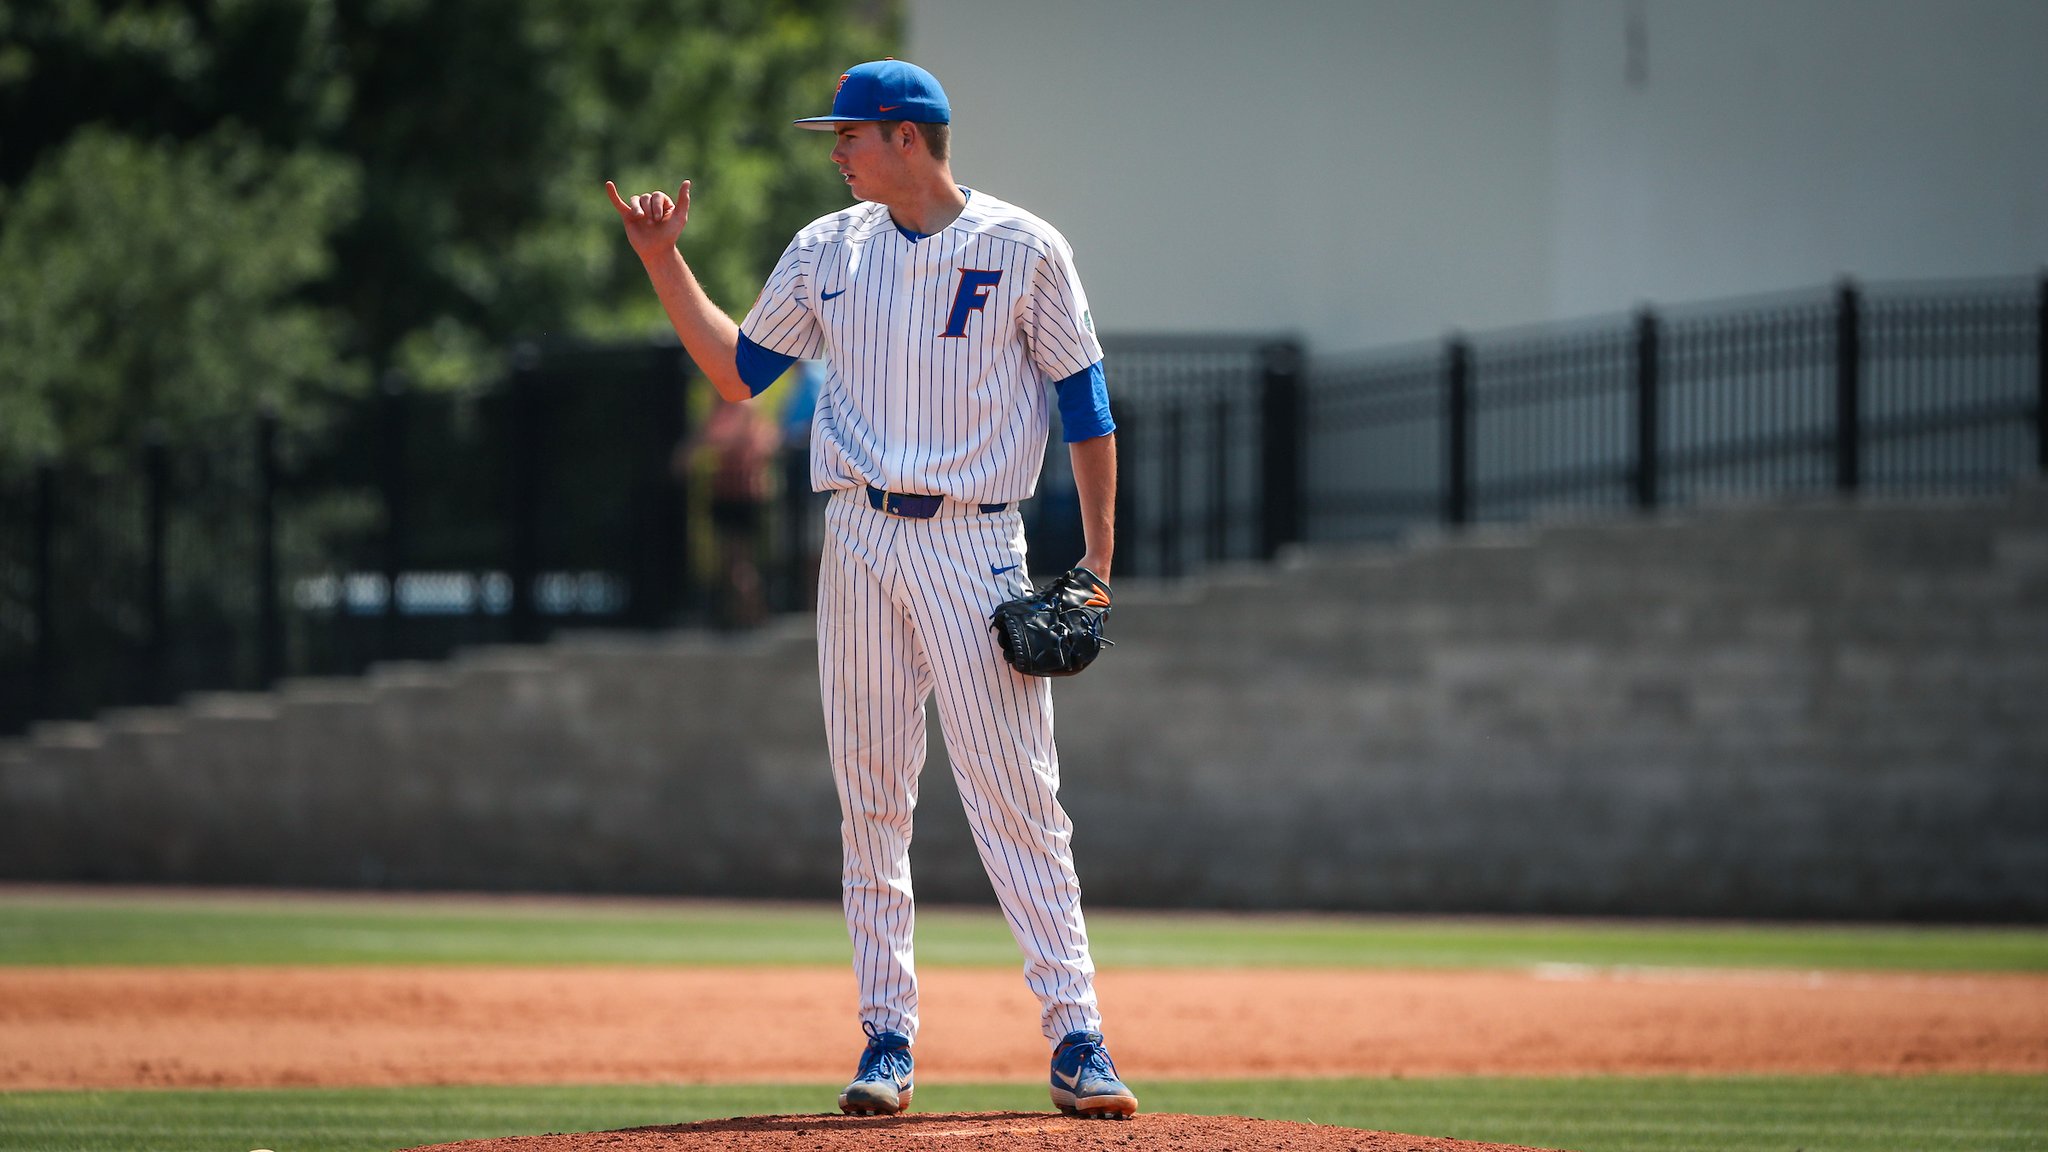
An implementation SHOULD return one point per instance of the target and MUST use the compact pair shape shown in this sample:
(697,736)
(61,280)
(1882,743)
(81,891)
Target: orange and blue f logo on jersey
(970,296)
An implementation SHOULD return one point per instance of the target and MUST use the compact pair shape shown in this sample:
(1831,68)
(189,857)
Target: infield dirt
(331,1026)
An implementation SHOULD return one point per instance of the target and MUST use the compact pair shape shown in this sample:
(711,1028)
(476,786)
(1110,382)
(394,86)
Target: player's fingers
(661,205)
(621,205)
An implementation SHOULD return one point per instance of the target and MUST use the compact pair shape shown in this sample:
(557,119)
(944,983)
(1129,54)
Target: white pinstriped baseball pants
(903,609)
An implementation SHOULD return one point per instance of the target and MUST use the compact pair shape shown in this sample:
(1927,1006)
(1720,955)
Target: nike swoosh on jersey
(833,295)
(995,571)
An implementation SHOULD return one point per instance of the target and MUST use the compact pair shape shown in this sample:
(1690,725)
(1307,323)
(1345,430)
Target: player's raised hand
(652,220)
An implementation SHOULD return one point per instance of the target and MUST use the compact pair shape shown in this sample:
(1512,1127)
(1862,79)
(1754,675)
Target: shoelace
(1095,1062)
(883,1060)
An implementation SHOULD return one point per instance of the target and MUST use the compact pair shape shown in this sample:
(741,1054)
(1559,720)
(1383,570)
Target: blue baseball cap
(885,90)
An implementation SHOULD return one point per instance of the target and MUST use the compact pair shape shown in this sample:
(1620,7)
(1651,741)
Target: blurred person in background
(737,442)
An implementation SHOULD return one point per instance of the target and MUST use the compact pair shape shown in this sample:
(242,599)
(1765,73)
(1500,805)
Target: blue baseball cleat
(883,1083)
(1084,1081)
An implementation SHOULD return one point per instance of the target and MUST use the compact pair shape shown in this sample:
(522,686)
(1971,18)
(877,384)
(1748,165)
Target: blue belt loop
(915,505)
(911,504)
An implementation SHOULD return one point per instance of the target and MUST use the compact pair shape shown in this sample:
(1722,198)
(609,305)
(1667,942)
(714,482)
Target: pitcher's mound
(931,1132)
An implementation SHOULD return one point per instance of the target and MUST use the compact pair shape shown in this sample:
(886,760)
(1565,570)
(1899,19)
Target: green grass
(1830,1114)
(1817,1114)
(42,927)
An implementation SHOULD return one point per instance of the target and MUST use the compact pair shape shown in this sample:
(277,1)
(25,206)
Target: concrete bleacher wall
(1828,710)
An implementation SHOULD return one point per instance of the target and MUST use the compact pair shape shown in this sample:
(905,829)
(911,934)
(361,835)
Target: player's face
(872,164)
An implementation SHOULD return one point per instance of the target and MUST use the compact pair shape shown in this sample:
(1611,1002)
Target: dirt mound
(971,1131)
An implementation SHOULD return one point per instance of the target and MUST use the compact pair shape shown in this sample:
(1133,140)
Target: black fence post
(2041,376)
(269,613)
(522,530)
(1458,430)
(684,595)
(1282,448)
(655,550)
(156,570)
(1848,388)
(1647,431)
(1219,478)
(45,592)
(394,477)
(1169,491)
(681,573)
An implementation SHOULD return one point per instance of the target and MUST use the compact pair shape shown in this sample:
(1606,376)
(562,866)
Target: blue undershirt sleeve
(1084,405)
(759,367)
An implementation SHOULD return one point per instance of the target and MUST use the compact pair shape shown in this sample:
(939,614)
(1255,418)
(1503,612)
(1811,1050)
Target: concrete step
(252,706)
(1722,710)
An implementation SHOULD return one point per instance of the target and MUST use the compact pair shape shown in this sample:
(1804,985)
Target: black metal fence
(1193,415)
(1898,389)
(409,525)
(416,523)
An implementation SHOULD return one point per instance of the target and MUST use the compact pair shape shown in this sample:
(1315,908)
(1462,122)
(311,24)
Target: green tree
(709,98)
(500,201)
(146,283)
(447,159)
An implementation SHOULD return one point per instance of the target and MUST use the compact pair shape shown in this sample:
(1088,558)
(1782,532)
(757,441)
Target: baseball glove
(1057,630)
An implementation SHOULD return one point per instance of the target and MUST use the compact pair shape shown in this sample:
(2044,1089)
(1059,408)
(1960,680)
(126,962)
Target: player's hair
(938,138)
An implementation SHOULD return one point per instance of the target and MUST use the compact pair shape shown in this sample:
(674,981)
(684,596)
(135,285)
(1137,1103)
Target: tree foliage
(204,203)
(143,283)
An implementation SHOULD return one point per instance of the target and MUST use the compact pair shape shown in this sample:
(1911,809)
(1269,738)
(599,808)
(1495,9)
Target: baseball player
(943,313)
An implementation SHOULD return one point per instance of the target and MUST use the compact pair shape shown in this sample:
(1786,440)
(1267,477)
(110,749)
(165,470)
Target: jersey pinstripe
(904,405)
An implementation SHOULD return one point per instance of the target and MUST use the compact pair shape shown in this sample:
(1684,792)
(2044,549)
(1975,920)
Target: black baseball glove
(1057,630)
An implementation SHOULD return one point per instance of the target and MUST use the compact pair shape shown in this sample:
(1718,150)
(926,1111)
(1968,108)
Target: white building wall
(1358,171)
(1370,171)
(1770,144)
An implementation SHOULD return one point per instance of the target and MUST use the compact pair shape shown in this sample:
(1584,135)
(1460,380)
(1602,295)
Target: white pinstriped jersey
(940,349)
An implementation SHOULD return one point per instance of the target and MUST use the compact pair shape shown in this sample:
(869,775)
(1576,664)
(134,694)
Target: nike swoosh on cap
(833,295)
(887,107)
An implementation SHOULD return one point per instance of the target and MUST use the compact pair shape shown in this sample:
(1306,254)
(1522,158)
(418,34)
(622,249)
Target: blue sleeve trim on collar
(759,367)
(1084,405)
